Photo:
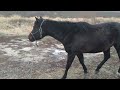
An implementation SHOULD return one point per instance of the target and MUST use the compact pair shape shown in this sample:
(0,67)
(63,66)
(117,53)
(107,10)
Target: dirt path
(21,59)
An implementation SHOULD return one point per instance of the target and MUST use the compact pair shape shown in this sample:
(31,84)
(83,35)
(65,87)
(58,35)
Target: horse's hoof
(63,78)
(85,75)
(85,72)
(96,72)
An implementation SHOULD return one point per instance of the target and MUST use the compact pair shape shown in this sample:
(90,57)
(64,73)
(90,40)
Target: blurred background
(64,14)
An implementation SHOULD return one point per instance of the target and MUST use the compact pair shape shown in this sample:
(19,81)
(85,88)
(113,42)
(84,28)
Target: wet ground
(21,59)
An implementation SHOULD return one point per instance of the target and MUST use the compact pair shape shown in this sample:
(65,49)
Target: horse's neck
(56,31)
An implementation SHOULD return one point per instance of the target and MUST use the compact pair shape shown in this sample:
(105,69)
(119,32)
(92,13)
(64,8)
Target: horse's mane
(81,25)
(68,22)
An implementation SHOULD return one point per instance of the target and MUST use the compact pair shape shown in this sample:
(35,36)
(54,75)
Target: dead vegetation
(18,25)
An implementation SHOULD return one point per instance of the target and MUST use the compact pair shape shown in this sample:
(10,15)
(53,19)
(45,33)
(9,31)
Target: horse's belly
(92,44)
(93,48)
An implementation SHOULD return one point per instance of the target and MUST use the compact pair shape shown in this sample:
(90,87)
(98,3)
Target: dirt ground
(21,59)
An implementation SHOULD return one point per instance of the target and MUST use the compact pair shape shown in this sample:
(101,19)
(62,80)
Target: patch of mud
(15,49)
(20,58)
(10,52)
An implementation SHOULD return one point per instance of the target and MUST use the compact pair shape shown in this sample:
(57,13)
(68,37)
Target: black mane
(83,26)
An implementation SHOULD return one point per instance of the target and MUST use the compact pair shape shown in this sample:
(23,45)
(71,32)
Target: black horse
(79,37)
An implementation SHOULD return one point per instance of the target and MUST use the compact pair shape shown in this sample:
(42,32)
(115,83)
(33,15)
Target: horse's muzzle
(30,38)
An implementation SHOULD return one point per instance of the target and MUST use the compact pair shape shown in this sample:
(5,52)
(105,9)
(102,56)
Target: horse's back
(96,38)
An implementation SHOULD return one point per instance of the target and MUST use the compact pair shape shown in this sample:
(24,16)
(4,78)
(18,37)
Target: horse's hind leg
(69,62)
(117,47)
(81,59)
(106,57)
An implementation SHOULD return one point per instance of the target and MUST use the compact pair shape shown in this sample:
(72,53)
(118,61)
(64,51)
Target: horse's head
(38,32)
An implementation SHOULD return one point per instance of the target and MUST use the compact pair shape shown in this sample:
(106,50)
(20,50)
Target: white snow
(58,51)
(10,52)
(26,49)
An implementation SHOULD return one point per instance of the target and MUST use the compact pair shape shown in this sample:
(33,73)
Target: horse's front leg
(70,59)
(81,59)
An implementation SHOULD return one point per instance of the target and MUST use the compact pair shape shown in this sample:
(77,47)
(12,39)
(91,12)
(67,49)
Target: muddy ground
(21,59)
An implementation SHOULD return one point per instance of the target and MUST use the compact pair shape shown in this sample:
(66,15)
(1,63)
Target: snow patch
(10,52)
(26,49)
(58,52)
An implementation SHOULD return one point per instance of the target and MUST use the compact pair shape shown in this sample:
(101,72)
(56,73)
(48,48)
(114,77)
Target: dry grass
(17,25)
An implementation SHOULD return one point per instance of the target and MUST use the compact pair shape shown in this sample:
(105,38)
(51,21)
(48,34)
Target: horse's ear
(41,17)
(36,18)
